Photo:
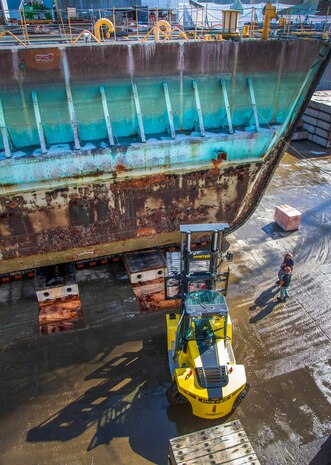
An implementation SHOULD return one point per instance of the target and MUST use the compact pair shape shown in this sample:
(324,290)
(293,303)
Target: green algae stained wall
(277,69)
(53,105)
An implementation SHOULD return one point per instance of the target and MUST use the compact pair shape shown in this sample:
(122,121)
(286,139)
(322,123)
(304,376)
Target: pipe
(86,31)
(103,22)
(3,33)
(270,12)
(166,29)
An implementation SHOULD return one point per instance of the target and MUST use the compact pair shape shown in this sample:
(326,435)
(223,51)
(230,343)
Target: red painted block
(62,325)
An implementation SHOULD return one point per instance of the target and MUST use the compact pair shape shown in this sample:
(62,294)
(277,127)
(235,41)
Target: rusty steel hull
(120,215)
(57,207)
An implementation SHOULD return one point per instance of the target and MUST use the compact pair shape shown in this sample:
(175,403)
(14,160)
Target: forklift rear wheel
(175,397)
(241,396)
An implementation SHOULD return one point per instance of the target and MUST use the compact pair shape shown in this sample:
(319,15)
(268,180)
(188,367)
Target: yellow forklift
(202,364)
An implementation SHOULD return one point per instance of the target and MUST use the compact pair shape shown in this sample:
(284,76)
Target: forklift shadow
(263,302)
(131,393)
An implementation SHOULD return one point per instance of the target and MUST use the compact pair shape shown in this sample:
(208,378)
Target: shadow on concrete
(182,417)
(127,399)
(276,232)
(263,302)
(307,149)
(264,312)
(264,297)
(323,456)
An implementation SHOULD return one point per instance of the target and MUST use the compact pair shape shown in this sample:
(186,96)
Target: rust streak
(120,168)
(220,157)
(145,232)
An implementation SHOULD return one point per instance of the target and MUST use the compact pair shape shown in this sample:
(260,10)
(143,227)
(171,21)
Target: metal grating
(212,377)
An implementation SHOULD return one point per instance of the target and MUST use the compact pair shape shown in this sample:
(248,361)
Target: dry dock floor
(98,396)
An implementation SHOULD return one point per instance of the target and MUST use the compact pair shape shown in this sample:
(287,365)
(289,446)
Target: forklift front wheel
(241,396)
(175,397)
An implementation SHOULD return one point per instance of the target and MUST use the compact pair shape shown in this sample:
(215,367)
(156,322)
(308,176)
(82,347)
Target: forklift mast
(201,266)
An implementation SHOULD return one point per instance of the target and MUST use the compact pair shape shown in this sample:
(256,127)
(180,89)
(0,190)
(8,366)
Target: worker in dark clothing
(285,284)
(287,262)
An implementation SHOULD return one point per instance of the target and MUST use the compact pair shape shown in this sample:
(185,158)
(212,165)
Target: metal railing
(72,26)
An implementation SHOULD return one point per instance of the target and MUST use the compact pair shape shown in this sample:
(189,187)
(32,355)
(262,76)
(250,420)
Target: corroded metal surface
(124,213)
(69,205)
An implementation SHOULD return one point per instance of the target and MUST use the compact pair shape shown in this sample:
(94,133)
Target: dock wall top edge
(134,60)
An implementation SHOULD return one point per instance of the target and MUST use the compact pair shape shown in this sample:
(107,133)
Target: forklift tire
(175,397)
(241,396)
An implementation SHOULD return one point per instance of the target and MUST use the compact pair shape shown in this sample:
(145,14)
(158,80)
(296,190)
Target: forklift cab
(204,318)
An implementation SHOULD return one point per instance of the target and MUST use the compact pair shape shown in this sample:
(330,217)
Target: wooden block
(323,133)
(53,293)
(144,266)
(321,100)
(314,104)
(60,309)
(325,107)
(309,127)
(300,135)
(320,140)
(309,119)
(318,131)
(60,326)
(150,296)
(323,125)
(311,112)
(288,218)
(318,114)
(155,303)
(149,287)
(319,123)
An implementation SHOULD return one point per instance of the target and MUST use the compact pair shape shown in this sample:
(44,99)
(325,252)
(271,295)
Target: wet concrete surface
(97,395)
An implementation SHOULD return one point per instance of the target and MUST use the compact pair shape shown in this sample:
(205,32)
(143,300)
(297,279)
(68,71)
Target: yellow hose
(166,29)
(103,22)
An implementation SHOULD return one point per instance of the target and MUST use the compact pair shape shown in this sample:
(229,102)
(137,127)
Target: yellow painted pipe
(103,22)
(282,22)
(86,32)
(270,13)
(3,33)
(166,29)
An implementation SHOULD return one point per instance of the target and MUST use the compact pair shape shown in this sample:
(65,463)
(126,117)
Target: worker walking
(284,284)
(287,262)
